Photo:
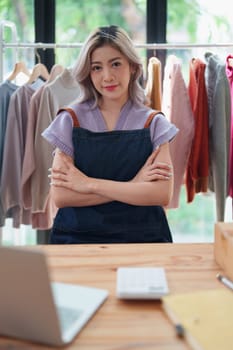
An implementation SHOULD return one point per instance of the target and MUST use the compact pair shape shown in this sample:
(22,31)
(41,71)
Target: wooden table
(128,325)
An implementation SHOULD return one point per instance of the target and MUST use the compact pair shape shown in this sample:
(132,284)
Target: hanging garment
(40,220)
(176,106)
(29,164)
(153,89)
(7,88)
(116,155)
(13,156)
(198,163)
(218,88)
(61,92)
(229,72)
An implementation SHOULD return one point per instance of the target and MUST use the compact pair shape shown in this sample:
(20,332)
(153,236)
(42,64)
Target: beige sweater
(61,92)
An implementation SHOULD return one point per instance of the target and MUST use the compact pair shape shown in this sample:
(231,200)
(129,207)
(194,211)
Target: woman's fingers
(159,176)
(162,172)
(160,165)
(159,170)
(56,171)
(58,176)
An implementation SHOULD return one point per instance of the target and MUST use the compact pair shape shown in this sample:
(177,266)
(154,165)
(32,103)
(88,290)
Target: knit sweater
(198,163)
(177,108)
(220,126)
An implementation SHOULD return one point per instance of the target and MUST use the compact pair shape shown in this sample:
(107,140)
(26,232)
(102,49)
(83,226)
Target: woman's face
(110,73)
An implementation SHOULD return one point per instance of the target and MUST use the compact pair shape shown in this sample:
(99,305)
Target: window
(74,22)
(21,14)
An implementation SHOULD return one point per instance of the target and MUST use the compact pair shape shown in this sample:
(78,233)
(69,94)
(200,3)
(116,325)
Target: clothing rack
(149,46)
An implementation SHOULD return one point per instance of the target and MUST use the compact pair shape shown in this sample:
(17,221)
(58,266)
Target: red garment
(229,72)
(198,163)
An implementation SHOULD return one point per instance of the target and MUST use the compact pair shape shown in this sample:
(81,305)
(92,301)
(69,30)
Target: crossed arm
(152,185)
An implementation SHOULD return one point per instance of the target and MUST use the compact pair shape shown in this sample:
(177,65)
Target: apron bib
(112,155)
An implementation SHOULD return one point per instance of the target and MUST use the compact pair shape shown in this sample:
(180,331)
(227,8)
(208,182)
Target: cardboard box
(223,247)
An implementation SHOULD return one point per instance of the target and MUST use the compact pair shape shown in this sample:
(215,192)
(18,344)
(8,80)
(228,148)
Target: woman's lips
(110,87)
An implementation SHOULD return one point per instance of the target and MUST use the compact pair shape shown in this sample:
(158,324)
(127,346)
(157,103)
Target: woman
(112,172)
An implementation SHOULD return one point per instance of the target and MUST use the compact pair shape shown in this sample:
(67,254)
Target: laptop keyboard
(68,316)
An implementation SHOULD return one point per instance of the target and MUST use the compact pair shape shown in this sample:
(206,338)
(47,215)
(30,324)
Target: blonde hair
(118,39)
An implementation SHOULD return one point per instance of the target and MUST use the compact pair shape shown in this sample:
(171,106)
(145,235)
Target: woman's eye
(95,68)
(116,64)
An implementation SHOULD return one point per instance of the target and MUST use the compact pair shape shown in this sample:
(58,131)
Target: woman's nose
(107,74)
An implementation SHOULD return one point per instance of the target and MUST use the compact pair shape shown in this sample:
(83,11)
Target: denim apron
(113,155)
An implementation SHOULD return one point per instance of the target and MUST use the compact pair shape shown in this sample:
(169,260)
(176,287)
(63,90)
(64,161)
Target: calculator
(141,283)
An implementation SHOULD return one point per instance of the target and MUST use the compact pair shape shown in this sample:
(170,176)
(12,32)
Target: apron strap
(72,114)
(150,118)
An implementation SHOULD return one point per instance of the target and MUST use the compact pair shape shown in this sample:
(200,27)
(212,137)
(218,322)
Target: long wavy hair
(117,38)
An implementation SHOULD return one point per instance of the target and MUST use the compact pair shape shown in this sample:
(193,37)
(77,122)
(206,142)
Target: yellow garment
(153,87)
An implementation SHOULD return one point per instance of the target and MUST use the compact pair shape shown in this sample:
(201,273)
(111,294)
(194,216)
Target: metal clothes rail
(149,46)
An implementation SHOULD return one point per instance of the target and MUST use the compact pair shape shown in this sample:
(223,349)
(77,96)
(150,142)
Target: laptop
(35,309)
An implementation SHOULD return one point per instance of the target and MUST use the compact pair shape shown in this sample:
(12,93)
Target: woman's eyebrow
(115,58)
(111,60)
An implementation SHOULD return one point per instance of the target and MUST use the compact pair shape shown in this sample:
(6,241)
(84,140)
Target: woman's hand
(153,170)
(152,185)
(68,176)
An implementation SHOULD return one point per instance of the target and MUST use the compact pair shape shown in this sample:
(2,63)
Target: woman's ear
(132,69)
(132,73)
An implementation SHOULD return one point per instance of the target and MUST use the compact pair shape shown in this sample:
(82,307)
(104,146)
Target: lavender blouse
(132,117)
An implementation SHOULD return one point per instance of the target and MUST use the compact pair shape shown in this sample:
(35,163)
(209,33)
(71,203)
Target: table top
(133,325)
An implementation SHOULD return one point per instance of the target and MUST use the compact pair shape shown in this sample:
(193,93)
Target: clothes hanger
(19,67)
(39,71)
(56,70)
